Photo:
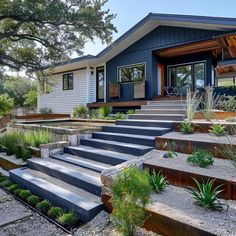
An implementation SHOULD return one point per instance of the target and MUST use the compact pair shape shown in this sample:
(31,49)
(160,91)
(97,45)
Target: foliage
(192,103)
(67,219)
(12,188)
(2,178)
(17,191)
(55,212)
(158,181)
(45,110)
(130,112)
(93,114)
(33,200)
(6,183)
(217,129)
(31,99)
(104,112)
(35,34)
(80,112)
(205,195)
(186,127)
(24,194)
(130,195)
(120,116)
(201,158)
(114,83)
(43,206)
(6,104)
(227,103)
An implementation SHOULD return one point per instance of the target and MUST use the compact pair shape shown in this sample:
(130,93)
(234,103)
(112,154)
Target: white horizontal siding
(63,101)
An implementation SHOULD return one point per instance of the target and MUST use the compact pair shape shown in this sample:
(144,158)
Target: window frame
(66,77)
(127,66)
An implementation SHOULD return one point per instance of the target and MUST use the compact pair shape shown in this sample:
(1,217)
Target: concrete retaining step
(146,123)
(166,102)
(164,106)
(161,111)
(69,197)
(80,177)
(171,117)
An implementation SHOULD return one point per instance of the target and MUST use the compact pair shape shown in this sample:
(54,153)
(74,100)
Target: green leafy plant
(186,127)
(43,206)
(104,112)
(33,200)
(93,114)
(114,83)
(17,191)
(130,195)
(201,158)
(130,112)
(120,116)
(205,195)
(2,178)
(24,194)
(67,219)
(158,181)
(6,104)
(80,112)
(55,212)
(6,183)
(12,188)
(217,129)
(227,103)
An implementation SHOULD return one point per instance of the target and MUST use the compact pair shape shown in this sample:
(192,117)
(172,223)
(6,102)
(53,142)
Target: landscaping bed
(179,172)
(10,162)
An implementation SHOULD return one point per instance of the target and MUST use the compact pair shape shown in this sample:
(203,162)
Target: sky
(129,12)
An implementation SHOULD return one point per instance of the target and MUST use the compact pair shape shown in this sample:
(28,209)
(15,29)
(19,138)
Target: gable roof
(146,25)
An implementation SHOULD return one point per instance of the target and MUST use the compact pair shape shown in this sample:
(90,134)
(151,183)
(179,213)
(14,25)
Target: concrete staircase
(72,179)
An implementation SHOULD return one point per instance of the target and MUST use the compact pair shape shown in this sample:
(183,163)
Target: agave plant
(158,181)
(207,196)
(186,127)
(217,129)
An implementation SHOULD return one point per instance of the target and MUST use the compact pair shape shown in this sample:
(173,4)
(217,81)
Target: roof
(149,23)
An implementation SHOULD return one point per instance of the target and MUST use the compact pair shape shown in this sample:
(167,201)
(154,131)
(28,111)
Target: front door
(100,81)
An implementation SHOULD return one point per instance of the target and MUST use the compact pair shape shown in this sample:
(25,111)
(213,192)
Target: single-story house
(161,54)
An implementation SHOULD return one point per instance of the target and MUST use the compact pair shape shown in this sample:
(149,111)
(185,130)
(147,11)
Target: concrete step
(161,111)
(128,148)
(80,161)
(80,177)
(69,197)
(99,155)
(145,123)
(128,138)
(163,106)
(138,130)
(171,117)
(166,102)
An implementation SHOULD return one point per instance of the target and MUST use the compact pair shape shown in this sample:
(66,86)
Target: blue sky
(129,12)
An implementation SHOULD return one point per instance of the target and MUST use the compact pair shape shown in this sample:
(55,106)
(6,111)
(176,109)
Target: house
(176,51)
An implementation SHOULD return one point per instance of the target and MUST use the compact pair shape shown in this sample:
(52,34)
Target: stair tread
(77,196)
(180,115)
(128,135)
(148,121)
(77,160)
(141,128)
(70,169)
(130,145)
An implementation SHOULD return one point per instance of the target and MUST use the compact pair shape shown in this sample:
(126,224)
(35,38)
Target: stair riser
(125,139)
(144,124)
(162,117)
(160,107)
(113,147)
(88,186)
(115,129)
(85,215)
(94,156)
(156,111)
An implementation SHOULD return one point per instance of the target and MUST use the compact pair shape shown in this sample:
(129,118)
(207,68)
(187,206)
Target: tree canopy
(35,34)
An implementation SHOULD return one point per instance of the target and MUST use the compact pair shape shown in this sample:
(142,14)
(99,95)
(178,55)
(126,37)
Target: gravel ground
(221,168)
(102,226)
(177,203)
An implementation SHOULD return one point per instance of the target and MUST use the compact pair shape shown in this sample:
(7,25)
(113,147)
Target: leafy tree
(6,104)
(31,99)
(35,34)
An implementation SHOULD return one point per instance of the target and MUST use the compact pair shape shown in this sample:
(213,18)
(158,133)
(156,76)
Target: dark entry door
(100,84)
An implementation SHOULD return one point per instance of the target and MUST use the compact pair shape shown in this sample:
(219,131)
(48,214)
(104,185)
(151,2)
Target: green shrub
(217,129)
(2,178)
(12,188)
(120,116)
(227,103)
(205,195)
(186,127)
(67,219)
(17,191)
(80,112)
(201,158)
(55,212)
(6,104)
(43,206)
(6,183)
(24,194)
(158,181)
(130,112)
(93,114)
(104,112)
(33,200)
(131,186)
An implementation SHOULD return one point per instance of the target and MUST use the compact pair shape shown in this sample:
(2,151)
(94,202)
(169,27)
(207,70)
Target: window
(67,80)
(132,73)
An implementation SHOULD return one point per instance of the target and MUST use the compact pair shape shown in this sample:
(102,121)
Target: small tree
(31,99)
(6,104)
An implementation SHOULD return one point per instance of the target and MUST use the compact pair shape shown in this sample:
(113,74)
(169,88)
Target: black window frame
(66,80)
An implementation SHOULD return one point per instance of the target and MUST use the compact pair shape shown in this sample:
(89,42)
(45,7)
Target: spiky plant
(103,112)
(201,158)
(158,181)
(186,127)
(217,129)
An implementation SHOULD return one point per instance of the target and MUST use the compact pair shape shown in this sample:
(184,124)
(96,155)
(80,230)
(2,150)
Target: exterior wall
(63,101)
(142,51)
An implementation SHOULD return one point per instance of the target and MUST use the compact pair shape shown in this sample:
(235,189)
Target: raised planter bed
(10,162)
(139,89)
(180,173)
(220,115)
(114,90)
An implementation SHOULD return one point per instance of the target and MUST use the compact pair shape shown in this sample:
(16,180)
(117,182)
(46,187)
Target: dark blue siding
(142,51)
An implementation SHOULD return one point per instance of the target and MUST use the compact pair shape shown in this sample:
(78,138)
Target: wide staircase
(72,179)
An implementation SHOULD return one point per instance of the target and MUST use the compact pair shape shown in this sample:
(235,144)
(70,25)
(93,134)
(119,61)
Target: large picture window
(132,73)
(67,81)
